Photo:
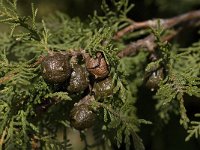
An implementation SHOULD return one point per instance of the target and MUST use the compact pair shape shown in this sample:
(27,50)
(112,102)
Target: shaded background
(143,9)
(172,135)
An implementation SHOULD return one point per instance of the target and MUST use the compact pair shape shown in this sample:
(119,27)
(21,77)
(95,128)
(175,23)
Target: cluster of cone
(87,74)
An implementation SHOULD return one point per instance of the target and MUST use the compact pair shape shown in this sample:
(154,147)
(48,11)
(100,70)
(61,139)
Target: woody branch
(149,41)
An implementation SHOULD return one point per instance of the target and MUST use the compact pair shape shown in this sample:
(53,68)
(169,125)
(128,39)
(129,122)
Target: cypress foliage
(32,110)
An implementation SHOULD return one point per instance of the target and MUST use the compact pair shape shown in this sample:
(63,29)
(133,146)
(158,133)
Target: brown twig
(166,23)
(7,77)
(2,138)
(39,60)
(149,41)
(146,43)
(132,48)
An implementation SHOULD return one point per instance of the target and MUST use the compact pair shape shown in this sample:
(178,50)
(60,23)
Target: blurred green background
(171,136)
(143,8)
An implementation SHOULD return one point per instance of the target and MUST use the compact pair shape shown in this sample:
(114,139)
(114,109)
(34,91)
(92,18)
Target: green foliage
(123,118)
(117,15)
(194,130)
(33,111)
(182,79)
(9,15)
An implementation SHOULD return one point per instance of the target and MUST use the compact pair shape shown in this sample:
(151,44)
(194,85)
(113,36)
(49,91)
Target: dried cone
(103,88)
(97,66)
(79,79)
(55,68)
(81,117)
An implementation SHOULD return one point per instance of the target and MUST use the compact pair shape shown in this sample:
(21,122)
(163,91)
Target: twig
(39,61)
(166,23)
(147,43)
(132,48)
(7,77)
(2,138)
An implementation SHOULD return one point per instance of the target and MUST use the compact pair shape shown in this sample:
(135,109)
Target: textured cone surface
(81,117)
(103,88)
(79,79)
(55,68)
(97,66)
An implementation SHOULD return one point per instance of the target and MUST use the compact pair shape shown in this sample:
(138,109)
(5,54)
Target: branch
(149,41)
(166,23)
(146,43)
(132,48)
(7,77)
(2,138)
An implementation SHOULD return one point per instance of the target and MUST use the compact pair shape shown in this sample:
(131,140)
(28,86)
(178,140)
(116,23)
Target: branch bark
(149,41)
(166,23)
(146,43)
